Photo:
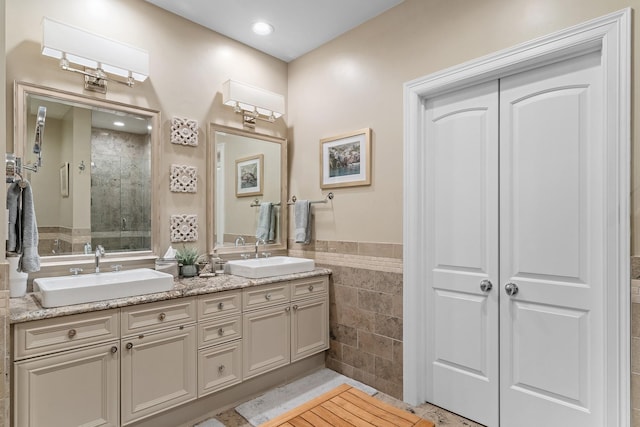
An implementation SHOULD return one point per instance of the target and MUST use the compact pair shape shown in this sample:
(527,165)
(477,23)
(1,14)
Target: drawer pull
(221,368)
(114,349)
(129,346)
(220,306)
(162,316)
(310,288)
(268,297)
(295,307)
(221,332)
(72,333)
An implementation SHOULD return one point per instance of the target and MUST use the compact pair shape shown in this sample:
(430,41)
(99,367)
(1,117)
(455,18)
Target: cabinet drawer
(219,304)
(64,333)
(219,331)
(305,288)
(157,315)
(219,367)
(265,296)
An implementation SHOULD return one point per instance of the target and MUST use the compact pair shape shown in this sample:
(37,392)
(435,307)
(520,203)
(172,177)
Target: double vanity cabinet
(117,366)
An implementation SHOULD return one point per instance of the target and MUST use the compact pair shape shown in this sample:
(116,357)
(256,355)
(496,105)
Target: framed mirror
(95,183)
(247,190)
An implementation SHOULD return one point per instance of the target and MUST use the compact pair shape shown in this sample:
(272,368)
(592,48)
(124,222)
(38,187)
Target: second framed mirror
(246,190)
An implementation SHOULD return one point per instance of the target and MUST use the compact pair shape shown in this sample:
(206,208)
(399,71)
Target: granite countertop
(28,308)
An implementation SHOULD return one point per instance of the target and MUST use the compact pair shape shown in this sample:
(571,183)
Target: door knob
(486,286)
(511,289)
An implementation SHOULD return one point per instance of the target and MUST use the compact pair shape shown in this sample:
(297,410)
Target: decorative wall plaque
(184,179)
(184,228)
(184,131)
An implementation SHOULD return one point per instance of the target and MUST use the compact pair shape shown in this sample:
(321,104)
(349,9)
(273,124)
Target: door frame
(612,35)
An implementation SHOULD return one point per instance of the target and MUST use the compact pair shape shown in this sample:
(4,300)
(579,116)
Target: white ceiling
(300,25)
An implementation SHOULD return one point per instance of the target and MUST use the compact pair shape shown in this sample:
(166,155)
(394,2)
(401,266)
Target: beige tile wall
(366,309)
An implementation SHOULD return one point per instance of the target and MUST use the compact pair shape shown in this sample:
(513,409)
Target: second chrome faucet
(99,253)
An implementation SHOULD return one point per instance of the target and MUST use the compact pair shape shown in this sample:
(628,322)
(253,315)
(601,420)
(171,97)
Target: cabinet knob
(287,309)
(114,349)
(310,288)
(220,305)
(129,346)
(511,289)
(72,333)
(221,332)
(267,297)
(486,286)
(162,316)
(221,368)
(295,307)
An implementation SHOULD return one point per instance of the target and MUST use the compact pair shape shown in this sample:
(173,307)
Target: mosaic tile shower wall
(120,190)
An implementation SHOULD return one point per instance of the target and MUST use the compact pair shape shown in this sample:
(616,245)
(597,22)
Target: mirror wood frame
(211,188)
(58,264)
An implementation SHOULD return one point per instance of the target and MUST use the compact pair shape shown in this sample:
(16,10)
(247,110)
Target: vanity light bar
(253,102)
(74,45)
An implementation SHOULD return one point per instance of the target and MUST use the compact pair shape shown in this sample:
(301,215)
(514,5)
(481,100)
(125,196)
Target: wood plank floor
(345,406)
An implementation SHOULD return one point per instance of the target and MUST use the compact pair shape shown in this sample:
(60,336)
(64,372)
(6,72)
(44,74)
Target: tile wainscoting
(365,312)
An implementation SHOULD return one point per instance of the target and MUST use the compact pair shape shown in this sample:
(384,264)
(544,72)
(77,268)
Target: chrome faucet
(258,241)
(99,253)
(239,239)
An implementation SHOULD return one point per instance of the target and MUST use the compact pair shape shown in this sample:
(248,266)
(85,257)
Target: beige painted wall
(356,81)
(188,65)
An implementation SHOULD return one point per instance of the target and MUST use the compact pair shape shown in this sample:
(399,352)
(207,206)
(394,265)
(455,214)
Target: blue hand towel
(264,221)
(302,213)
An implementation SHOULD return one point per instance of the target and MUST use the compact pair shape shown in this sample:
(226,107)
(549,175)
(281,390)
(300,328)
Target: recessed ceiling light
(262,28)
(119,124)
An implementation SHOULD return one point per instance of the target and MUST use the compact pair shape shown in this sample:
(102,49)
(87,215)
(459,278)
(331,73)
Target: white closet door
(552,210)
(461,248)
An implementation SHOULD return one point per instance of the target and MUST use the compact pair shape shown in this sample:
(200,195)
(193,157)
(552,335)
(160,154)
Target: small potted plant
(187,259)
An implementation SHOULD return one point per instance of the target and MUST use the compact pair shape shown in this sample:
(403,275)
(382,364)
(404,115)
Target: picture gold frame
(64,180)
(345,160)
(250,176)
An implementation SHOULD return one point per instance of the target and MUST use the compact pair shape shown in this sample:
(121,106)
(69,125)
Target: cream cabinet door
(266,334)
(309,327)
(158,372)
(73,388)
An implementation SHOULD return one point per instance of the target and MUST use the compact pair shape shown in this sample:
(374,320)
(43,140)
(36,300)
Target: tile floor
(437,415)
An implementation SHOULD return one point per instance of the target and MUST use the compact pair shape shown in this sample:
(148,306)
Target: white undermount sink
(257,268)
(68,290)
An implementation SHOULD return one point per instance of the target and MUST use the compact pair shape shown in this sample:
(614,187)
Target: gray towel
(14,203)
(264,221)
(302,213)
(273,224)
(23,229)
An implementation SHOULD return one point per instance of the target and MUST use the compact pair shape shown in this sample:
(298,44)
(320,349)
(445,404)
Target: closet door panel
(462,252)
(551,244)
